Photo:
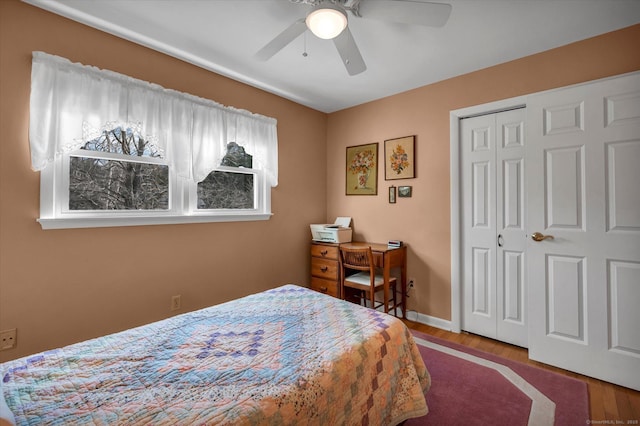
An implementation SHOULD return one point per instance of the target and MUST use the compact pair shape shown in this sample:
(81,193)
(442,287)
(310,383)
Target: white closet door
(479,232)
(510,219)
(493,238)
(583,189)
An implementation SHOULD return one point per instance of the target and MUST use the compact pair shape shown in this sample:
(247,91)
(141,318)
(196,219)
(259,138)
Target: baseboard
(421,318)
(429,320)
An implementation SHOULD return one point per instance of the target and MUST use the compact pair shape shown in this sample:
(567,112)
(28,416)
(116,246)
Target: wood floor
(608,403)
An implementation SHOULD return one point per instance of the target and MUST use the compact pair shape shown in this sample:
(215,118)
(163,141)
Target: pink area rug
(465,392)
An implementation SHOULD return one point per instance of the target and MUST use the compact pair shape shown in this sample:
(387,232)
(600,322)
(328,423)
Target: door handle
(537,236)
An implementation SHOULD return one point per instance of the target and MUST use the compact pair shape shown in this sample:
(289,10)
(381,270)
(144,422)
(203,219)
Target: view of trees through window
(118,184)
(226,190)
(113,181)
(229,190)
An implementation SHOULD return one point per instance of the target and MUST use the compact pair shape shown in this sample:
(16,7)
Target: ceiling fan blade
(349,52)
(284,38)
(406,12)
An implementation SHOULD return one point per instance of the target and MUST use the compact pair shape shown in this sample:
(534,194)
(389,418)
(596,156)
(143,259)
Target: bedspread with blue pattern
(284,356)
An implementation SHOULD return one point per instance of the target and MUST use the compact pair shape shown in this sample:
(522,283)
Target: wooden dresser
(325,268)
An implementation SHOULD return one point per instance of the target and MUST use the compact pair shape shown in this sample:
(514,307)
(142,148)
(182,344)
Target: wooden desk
(387,258)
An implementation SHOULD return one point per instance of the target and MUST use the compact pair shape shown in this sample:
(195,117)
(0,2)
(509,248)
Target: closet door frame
(456,192)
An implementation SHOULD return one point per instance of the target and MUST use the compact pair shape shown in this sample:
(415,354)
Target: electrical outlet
(411,283)
(8,339)
(175,302)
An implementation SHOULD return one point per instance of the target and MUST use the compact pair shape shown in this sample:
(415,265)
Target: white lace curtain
(192,132)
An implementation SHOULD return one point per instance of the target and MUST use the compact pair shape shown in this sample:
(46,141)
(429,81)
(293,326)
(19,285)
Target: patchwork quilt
(281,357)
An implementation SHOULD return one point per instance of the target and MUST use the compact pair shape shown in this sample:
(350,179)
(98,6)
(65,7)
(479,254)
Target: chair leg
(394,289)
(372,296)
(395,300)
(366,298)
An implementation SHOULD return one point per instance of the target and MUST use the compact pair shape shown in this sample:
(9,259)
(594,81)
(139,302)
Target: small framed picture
(392,194)
(404,191)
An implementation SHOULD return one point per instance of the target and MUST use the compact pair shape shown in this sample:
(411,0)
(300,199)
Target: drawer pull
(324,252)
(323,289)
(324,268)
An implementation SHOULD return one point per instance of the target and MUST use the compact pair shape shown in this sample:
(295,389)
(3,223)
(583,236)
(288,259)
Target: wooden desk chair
(367,281)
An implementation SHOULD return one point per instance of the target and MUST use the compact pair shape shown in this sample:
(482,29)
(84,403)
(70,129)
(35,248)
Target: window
(120,178)
(227,188)
(189,160)
(118,170)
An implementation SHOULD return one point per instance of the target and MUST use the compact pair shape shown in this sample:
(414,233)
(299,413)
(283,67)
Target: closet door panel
(478,215)
(493,212)
(511,282)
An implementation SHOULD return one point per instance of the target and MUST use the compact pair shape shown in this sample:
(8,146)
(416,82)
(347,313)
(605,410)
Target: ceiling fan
(328,20)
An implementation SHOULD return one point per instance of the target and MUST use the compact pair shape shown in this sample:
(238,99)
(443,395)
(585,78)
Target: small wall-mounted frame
(404,191)
(362,170)
(392,194)
(399,158)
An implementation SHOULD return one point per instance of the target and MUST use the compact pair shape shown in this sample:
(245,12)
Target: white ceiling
(224,35)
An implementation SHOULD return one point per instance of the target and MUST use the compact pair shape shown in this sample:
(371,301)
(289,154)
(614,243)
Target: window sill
(101,222)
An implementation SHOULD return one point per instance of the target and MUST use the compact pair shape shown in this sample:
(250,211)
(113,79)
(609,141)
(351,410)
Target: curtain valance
(193,132)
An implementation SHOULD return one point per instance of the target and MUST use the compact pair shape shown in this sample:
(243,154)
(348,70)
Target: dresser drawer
(325,286)
(324,268)
(325,252)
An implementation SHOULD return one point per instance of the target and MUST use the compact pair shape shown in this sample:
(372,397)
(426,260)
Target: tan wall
(62,286)
(423,221)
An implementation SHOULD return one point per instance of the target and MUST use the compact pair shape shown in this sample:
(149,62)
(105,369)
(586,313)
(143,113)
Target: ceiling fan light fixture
(327,21)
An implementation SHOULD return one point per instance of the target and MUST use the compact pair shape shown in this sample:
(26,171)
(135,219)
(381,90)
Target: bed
(288,355)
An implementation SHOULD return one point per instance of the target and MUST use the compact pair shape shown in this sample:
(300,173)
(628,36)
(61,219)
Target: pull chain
(304,53)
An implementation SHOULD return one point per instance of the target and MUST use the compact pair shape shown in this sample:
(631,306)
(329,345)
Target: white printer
(337,232)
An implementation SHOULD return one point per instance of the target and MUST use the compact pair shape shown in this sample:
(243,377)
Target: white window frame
(55,214)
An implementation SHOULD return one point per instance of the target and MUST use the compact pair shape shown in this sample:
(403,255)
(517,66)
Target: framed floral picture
(362,169)
(399,158)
